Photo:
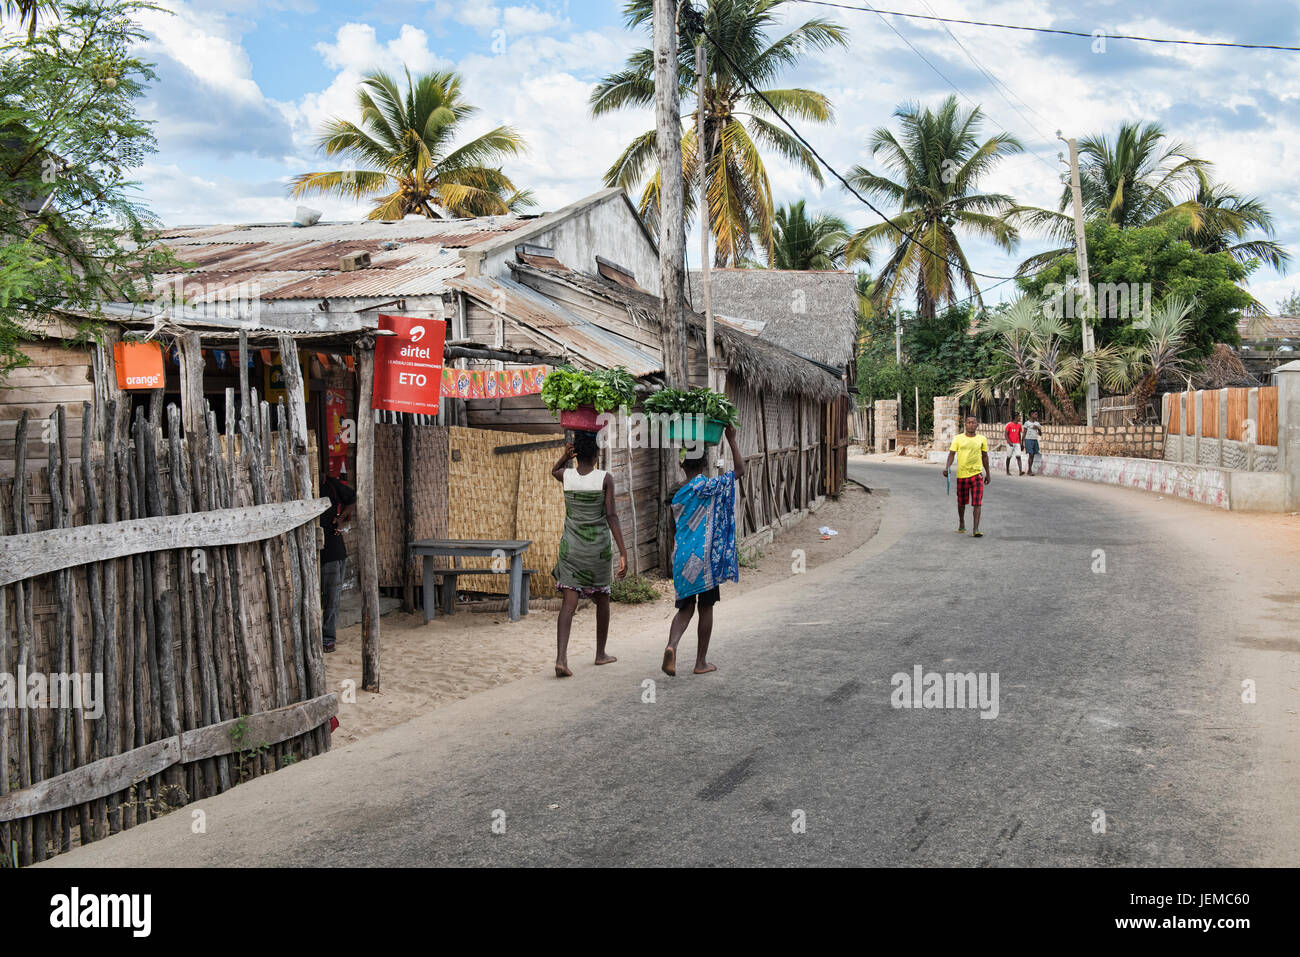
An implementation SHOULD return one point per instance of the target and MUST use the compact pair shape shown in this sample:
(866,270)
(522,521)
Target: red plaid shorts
(970,491)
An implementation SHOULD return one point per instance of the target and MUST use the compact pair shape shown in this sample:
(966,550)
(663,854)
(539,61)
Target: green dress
(587,548)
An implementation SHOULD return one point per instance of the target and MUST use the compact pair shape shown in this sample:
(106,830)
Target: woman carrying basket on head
(586,553)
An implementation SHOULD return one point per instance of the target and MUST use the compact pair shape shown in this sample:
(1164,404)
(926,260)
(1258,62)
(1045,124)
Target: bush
(633,590)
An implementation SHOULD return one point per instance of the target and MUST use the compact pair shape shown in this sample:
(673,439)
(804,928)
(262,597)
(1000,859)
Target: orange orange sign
(139,365)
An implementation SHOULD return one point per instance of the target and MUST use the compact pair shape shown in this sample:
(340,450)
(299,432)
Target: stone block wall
(946,410)
(885,432)
(1131,441)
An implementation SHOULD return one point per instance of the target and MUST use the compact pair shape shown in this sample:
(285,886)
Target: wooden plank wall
(183,640)
(57,375)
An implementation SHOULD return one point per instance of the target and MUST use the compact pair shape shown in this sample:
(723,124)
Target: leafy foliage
(1161,256)
(71,234)
(404,156)
(936,163)
(701,401)
(804,241)
(738,124)
(567,388)
(1290,306)
(633,590)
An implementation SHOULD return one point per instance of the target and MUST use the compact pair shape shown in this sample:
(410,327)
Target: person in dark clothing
(333,559)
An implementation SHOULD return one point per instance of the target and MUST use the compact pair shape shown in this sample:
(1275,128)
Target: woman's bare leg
(562,626)
(602,630)
(704,633)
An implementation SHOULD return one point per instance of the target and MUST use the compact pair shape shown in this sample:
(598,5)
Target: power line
(739,71)
(1068,33)
(945,78)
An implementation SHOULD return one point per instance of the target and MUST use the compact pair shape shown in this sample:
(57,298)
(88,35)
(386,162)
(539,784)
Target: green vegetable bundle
(567,388)
(701,401)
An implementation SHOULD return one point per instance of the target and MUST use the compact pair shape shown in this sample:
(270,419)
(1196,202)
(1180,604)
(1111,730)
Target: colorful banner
(408,364)
(489,384)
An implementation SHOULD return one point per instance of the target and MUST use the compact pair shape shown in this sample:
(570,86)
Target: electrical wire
(1068,33)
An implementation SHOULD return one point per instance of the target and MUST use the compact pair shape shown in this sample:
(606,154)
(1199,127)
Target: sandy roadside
(424,666)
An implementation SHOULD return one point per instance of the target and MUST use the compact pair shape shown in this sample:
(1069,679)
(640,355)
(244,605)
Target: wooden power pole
(672,241)
(672,194)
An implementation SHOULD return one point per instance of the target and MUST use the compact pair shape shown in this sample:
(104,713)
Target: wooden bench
(447,588)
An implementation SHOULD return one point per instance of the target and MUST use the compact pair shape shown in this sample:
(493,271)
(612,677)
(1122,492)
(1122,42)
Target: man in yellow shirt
(971,450)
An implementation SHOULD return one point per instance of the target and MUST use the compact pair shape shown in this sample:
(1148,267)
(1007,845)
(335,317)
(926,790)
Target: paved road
(1119,692)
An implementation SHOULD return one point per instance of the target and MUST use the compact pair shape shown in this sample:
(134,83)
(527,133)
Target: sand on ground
(426,665)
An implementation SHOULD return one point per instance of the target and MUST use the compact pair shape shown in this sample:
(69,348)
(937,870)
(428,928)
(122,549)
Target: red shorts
(970,491)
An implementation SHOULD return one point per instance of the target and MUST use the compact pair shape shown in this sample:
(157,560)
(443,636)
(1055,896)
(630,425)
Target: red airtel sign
(408,364)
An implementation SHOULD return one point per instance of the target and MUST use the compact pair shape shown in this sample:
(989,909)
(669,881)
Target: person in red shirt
(1013,431)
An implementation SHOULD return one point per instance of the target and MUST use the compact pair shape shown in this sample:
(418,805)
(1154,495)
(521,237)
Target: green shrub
(633,590)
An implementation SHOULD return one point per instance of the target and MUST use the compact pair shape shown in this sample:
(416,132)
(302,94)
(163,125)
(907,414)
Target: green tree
(801,241)
(72,235)
(738,125)
(1163,350)
(1225,219)
(1289,306)
(937,162)
(1158,256)
(404,156)
(28,12)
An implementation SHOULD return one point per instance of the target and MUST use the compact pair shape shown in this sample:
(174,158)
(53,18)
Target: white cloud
(529,19)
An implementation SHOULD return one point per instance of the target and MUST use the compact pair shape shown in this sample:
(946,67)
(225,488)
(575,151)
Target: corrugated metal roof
(410,257)
(531,309)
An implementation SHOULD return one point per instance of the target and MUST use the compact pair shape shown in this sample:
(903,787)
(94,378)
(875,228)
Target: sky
(244,84)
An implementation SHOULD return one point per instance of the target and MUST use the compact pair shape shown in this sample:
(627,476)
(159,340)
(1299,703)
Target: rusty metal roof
(593,345)
(409,257)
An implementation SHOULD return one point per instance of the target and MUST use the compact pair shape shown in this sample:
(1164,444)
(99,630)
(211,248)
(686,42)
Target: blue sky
(243,84)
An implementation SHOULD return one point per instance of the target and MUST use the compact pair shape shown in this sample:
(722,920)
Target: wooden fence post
(365,512)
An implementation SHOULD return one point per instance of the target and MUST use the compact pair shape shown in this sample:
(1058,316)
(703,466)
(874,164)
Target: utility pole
(672,219)
(672,240)
(898,361)
(1085,284)
(702,152)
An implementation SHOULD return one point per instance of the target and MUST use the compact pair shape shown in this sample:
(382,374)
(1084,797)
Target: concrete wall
(1138,441)
(1222,488)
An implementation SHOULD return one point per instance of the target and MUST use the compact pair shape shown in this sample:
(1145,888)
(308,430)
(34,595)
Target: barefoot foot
(703,668)
(670,661)
(605,659)
(562,670)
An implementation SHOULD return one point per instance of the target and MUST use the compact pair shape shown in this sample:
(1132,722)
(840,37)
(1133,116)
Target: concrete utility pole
(1085,285)
(898,361)
(672,219)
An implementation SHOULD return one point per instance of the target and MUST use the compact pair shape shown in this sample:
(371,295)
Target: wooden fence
(1247,415)
(174,569)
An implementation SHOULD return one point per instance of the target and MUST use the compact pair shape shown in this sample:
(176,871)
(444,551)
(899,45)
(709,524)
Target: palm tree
(937,162)
(1162,351)
(1133,180)
(1225,219)
(27,12)
(1034,350)
(404,154)
(803,242)
(738,124)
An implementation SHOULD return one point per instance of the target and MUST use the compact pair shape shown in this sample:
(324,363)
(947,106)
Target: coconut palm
(28,11)
(1162,351)
(1035,354)
(1135,179)
(404,157)
(1225,219)
(936,162)
(800,241)
(738,125)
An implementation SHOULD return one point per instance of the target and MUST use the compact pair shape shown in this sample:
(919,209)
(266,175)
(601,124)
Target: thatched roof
(752,359)
(809,313)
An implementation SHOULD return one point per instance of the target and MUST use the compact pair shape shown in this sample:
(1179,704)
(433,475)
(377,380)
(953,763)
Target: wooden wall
(58,375)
